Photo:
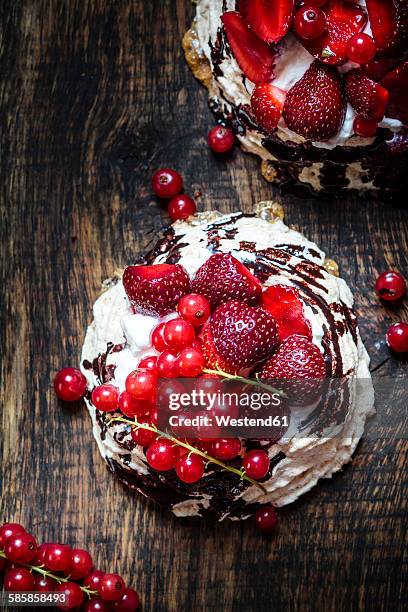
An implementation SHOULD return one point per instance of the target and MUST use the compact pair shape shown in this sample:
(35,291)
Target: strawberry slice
(222,278)
(267,105)
(270,19)
(155,290)
(396,82)
(367,97)
(286,307)
(343,20)
(253,55)
(389,24)
(315,107)
(242,335)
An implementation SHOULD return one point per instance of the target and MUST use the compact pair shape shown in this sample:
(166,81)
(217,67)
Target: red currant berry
(131,407)
(81,564)
(153,415)
(141,436)
(19,579)
(221,139)
(361,48)
(2,563)
(207,431)
(397,337)
(20,548)
(105,397)
(129,602)
(190,468)
(166,365)
(44,583)
(226,448)
(161,455)
(181,207)
(96,604)
(58,557)
(149,363)
(111,587)
(310,22)
(256,464)
(366,128)
(74,595)
(142,385)
(266,519)
(178,333)
(194,308)
(190,363)
(69,384)
(167,183)
(317,3)
(157,339)
(7,530)
(93,580)
(390,286)
(40,555)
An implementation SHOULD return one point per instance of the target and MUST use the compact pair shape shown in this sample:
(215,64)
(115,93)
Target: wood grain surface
(94,96)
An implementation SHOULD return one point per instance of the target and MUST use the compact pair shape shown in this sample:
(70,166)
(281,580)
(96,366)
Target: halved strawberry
(315,107)
(367,97)
(389,24)
(285,305)
(213,360)
(396,82)
(270,19)
(255,58)
(242,335)
(267,105)
(155,290)
(222,278)
(343,20)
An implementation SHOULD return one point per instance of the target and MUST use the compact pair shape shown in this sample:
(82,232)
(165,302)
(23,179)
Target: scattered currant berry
(161,455)
(81,564)
(167,183)
(266,519)
(44,583)
(105,397)
(181,207)
(20,548)
(190,363)
(69,384)
(194,308)
(40,555)
(141,436)
(190,468)
(19,579)
(153,415)
(317,3)
(397,337)
(221,139)
(148,363)
(178,333)
(96,604)
(310,22)
(166,365)
(226,448)
(157,339)
(208,383)
(73,593)
(256,464)
(58,557)
(142,385)
(111,587)
(131,407)
(129,602)
(361,48)
(93,580)
(366,128)
(390,286)
(7,530)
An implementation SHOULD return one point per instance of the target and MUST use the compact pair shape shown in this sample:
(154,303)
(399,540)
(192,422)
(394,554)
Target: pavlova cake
(316,89)
(224,296)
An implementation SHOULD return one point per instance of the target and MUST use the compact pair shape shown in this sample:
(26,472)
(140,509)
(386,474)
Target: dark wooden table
(95,95)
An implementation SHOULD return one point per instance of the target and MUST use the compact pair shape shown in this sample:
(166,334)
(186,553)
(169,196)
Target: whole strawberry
(222,278)
(315,106)
(155,290)
(366,96)
(242,335)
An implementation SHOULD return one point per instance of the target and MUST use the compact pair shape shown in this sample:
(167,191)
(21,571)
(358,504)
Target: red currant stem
(247,381)
(241,473)
(44,572)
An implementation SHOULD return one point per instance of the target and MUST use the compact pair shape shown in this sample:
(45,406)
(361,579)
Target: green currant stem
(44,572)
(247,381)
(192,449)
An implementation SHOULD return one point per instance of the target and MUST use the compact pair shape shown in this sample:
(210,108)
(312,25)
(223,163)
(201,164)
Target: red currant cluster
(391,287)
(61,569)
